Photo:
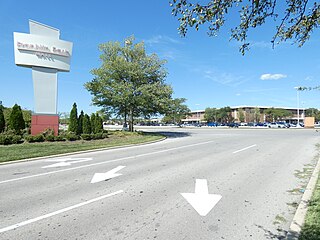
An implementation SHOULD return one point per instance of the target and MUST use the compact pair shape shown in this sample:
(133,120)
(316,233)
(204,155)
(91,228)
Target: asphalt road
(252,169)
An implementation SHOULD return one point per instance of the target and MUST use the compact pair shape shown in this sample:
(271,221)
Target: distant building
(249,114)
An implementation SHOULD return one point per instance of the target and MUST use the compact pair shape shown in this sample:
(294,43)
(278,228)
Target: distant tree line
(221,115)
(224,115)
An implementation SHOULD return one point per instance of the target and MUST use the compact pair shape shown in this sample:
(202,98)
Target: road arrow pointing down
(201,200)
(98,177)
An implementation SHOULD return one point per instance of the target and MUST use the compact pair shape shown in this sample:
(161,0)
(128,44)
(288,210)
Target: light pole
(298,89)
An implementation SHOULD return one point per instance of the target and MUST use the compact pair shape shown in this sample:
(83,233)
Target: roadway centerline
(243,149)
(57,212)
(105,162)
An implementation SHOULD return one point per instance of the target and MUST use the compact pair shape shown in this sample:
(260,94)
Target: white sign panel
(40,51)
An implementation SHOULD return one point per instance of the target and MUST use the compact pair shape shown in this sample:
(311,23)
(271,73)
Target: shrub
(16,121)
(59,138)
(104,135)
(35,138)
(5,139)
(50,138)
(98,124)
(2,120)
(86,136)
(73,125)
(97,136)
(16,139)
(48,135)
(86,128)
(72,137)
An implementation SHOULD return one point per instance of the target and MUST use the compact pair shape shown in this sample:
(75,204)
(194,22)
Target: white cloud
(309,78)
(160,39)
(269,76)
(224,78)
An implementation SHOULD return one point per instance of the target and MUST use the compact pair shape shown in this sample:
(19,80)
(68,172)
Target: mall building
(249,113)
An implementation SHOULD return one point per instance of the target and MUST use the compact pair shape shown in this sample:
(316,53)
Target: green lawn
(311,228)
(31,150)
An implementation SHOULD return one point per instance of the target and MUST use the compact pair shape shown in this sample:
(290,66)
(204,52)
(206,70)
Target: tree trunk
(125,119)
(131,121)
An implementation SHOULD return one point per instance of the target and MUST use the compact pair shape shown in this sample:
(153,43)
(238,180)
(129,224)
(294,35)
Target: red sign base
(40,123)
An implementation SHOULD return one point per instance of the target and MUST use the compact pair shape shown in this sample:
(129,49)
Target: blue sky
(209,72)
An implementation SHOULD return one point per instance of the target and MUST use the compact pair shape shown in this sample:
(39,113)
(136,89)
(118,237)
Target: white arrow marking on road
(98,177)
(201,200)
(59,164)
(62,162)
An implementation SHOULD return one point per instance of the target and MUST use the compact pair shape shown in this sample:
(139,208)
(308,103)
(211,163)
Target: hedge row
(7,139)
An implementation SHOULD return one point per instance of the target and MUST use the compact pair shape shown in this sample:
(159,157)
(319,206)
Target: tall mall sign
(46,54)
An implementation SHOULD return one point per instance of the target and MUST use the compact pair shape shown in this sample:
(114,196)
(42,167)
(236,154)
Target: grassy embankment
(32,150)
(311,228)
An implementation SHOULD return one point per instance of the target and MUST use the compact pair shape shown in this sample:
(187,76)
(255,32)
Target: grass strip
(32,150)
(311,227)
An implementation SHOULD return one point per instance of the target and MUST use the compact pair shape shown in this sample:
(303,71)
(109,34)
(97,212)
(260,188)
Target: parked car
(283,125)
(273,125)
(233,125)
(263,124)
(212,124)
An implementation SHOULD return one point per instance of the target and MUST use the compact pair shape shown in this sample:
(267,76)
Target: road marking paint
(62,162)
(254,145)
(99,177)
(201,200)
(57,212)
(105,162)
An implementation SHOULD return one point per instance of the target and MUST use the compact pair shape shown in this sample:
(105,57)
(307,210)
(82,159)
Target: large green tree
(275,114)
(293,19)
(224,115)
(313,112)
(210,114)
(241,117)
(16,121)
(129,83)
(177,111)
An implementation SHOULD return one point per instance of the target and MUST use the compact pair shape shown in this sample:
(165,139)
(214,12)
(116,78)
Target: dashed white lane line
(57,212)
(243,149)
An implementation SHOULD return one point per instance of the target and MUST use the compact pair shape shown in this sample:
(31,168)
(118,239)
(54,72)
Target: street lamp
(298,89)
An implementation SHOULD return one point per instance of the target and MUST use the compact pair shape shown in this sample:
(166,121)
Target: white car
(273,125)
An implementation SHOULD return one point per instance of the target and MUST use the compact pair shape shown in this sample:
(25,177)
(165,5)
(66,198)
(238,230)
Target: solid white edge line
(57,212)
(300,214)
(105,162)
(243,149)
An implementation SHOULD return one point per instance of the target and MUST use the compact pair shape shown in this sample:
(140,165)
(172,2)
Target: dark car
(233,125)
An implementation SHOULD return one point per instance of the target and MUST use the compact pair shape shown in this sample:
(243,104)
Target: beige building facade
(249,114)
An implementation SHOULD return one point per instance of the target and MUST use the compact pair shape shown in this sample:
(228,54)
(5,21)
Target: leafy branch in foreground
(297,18)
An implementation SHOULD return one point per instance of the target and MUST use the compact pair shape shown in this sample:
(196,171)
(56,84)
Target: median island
(28,150)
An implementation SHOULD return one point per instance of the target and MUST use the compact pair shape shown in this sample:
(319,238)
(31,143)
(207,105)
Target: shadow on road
(280,234)
(174,134)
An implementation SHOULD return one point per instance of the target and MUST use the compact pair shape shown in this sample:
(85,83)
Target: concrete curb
(79,152)
(299,217)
